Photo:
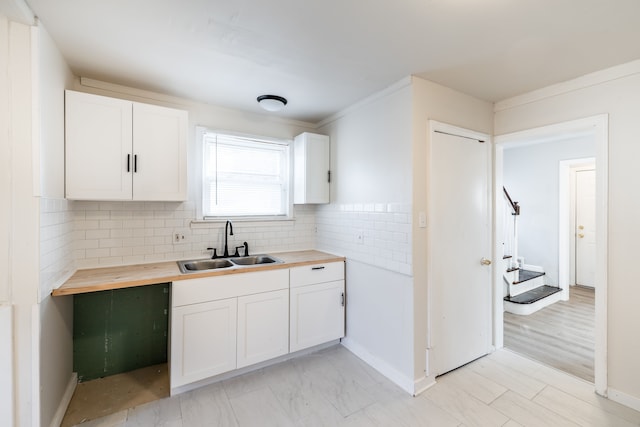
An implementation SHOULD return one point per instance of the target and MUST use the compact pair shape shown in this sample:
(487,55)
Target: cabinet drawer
(316,273)
(192,291)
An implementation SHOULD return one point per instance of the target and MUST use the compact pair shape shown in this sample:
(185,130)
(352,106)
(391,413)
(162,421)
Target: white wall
(531,176)
(371,149)
(22,220)
(5,164)
(56,229)
(371,193)
(618,94)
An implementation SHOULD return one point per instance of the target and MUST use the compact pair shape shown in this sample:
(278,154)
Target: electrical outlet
(179,236)
(360,237)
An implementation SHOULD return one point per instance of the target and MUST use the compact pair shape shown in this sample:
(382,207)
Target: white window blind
(244,176)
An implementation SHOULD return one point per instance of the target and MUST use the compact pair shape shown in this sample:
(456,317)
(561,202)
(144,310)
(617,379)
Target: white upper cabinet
(311,169)
(123,150)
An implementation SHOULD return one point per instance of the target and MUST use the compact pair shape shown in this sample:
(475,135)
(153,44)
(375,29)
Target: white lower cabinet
(203,340)
(222,323)
(228,322)
(317,314)
(317,304)
(263,327)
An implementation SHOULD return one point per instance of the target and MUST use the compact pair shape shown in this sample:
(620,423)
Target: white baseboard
(6,364)
(624,399)
(424,384)
(64,402)
(407,384)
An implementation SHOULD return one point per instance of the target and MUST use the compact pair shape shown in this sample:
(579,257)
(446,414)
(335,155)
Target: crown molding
(588,80)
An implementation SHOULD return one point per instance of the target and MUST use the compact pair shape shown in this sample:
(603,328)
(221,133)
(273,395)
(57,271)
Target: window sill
(209,222)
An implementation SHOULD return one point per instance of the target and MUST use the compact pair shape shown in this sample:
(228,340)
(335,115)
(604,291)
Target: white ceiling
(326,55)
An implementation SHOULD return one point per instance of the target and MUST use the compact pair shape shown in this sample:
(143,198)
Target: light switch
(422,220)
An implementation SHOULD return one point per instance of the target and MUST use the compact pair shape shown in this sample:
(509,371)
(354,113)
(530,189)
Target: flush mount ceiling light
(272,102)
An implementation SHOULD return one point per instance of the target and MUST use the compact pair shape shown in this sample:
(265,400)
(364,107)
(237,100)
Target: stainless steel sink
(255,259)
(203,264)
(193,266)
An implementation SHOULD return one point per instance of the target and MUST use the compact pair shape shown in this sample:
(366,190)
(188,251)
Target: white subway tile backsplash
(370,231)
(136,232)
(77,234)
(56,244)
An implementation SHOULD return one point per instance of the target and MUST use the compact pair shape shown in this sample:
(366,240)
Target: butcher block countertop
(106,278)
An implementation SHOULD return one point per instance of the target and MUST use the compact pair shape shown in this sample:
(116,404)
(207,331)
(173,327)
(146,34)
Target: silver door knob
(485,261)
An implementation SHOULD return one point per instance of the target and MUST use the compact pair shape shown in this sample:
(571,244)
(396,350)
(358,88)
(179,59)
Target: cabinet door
(263,326)
(317,314)
(203,340)
(98,135)
(311,168)
(160,153)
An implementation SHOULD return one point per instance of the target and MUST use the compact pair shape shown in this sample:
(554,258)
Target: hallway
(561,335)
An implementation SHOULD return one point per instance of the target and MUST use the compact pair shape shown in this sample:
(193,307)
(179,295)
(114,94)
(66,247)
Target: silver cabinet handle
(485,261)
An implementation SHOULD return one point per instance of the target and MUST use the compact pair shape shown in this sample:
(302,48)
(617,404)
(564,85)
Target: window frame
(202,132)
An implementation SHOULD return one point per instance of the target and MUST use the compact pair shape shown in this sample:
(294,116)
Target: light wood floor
(335,388)
(561,335)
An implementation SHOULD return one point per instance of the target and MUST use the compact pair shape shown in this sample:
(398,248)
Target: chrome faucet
(227,226)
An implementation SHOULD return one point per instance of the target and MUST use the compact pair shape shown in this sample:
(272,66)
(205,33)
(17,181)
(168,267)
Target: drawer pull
(318,268)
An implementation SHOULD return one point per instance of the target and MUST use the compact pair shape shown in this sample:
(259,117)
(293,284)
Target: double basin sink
(194,266)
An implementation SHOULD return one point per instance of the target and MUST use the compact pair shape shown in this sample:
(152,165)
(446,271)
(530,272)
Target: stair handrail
(514,205)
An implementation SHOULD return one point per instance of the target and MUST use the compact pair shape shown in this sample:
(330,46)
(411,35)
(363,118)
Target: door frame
(436,126)
(597,127)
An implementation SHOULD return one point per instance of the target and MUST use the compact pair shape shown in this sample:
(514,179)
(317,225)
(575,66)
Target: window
(244,176)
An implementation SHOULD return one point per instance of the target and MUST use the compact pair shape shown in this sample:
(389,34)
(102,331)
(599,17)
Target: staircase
(525,288)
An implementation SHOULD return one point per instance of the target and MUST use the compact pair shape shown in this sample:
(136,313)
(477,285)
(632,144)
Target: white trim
(18,11)
(35,365)
(423,384)
(624,399)
(498,281)
(588,80)
(64,402)
(391,373)
(7,398)
(598,126)
(401,84)
(177,102)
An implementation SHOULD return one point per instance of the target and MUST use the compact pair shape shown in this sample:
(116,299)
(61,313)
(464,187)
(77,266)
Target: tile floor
(335,388)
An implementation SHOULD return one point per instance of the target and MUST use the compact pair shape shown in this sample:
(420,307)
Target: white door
(317,314)
(203,340)
(585,227)
(159,153)
(460,250)
(97,147)
(263,327)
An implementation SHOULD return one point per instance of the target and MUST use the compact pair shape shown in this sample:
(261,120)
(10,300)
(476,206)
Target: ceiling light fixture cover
(272,102)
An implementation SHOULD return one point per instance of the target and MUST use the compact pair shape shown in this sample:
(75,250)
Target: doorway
(597,128)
